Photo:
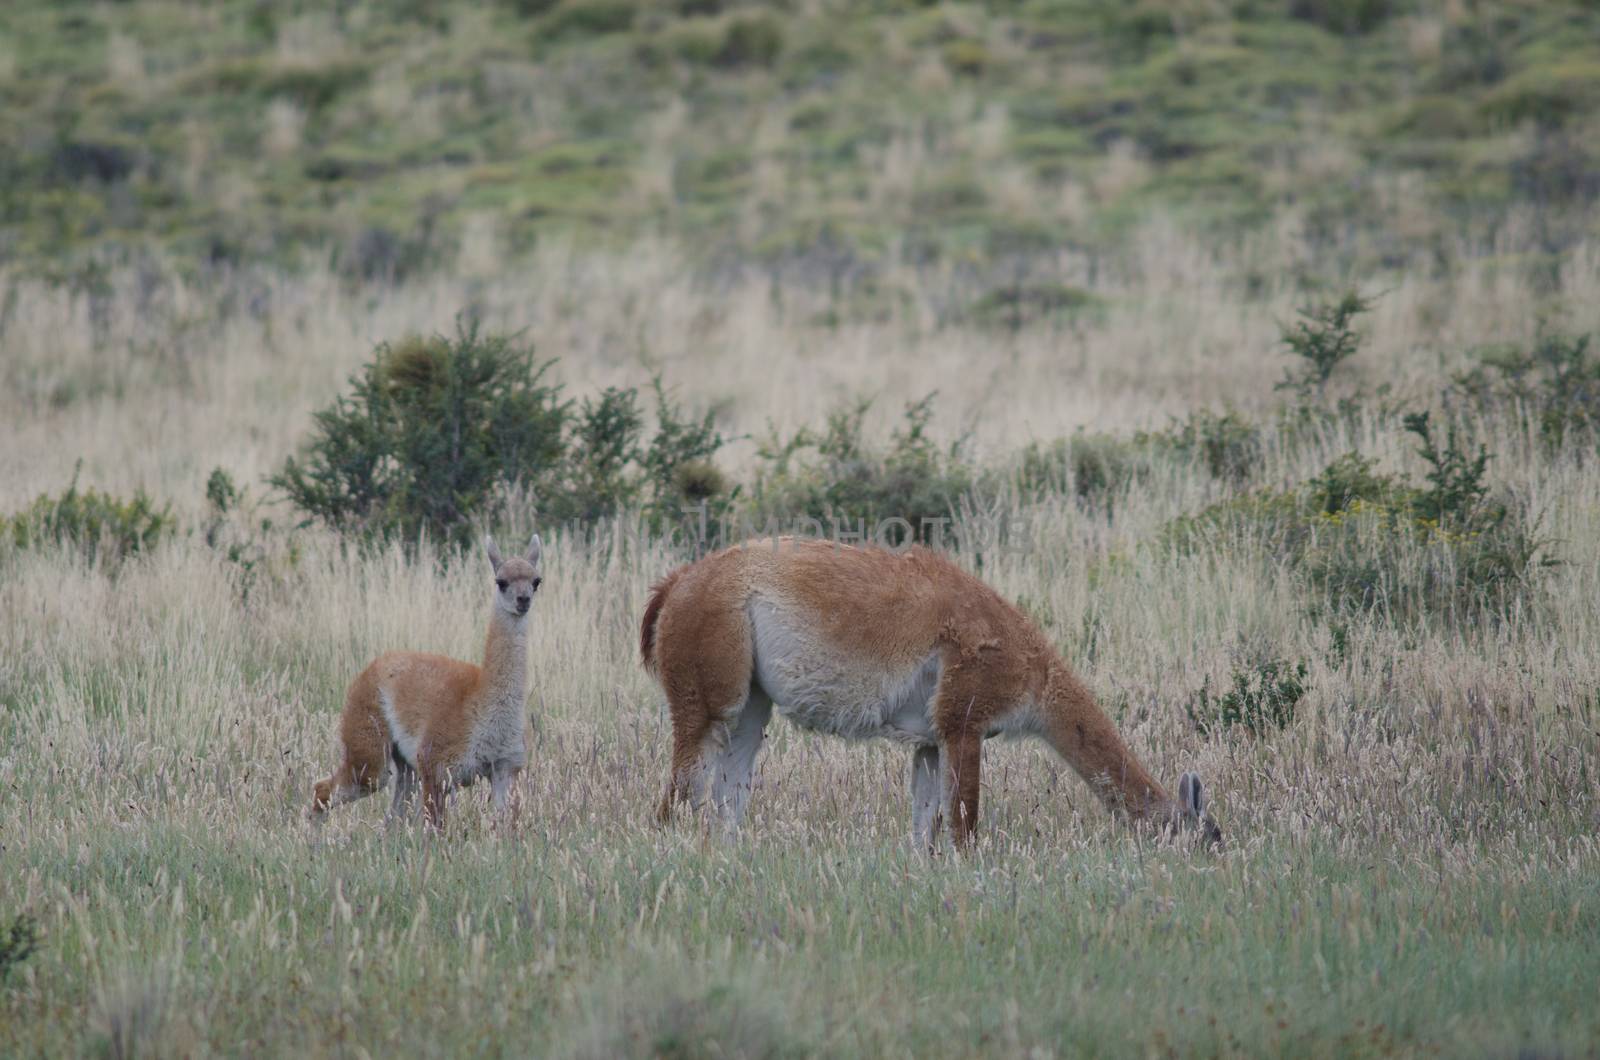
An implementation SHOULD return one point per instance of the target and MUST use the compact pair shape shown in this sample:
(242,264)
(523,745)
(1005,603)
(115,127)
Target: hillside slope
(406,133)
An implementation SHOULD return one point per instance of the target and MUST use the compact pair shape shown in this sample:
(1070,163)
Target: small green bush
(968,58)
(1263,698)
(837,477)
(1014,306)
(531,8)
(1096,468)
(432,436)
(589,18)
(439,434)
(1456,488)
(1555,387)
(1350,479)
(752,40)
(19,940)
(613,470)
(1546,94)
(226,531)
(101,526)
(1226,444)
(1323,339)
(1362,542)
(1343,16)
(607,437)
(679,465)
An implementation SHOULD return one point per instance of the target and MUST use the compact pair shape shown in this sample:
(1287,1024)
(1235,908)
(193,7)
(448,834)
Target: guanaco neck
(1082,734)
(504,678)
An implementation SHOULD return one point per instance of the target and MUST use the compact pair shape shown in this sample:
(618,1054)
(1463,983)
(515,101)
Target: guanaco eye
(501,583)
(536,582)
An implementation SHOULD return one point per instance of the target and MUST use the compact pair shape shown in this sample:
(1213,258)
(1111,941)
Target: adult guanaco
(863,642)
(443,722)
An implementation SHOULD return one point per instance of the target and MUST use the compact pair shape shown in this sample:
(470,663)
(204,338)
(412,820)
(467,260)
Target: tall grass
(1413,862)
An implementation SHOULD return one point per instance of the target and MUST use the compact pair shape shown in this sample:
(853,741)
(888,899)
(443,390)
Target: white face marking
(516,582)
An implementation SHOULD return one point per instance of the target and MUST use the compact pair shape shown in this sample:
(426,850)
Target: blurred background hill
(390,137)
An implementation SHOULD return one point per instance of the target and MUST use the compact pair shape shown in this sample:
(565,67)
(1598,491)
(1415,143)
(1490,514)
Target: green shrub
(1099,467)
(431,438)
(1554,387)
(439,434)
(1226,444)
(1547,94)
(1013,306)
(1348,480)
(753,40)
(1096,468)
(606,451)
(612,470)
(19,940)
(1263,697)
(589,18)
(1323,339)
(224,529)
(531,8)
(1343,16)
(1456,489)
(678,466)
(101,526)
(1367,543)
(968,58)
(837,477)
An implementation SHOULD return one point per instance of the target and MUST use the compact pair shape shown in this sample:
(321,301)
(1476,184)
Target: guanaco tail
(863,642)
(440,721)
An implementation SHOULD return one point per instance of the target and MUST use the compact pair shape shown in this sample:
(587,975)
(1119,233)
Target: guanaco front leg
(432,801)
(501,777)
(963,758)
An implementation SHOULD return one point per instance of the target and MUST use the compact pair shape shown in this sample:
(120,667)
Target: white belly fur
(497,738)
(817,687)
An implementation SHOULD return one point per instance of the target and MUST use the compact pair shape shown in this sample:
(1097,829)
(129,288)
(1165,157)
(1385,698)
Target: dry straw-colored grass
(1413,861)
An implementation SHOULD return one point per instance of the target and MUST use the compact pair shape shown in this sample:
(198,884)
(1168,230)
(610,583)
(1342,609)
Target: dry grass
(1413,865)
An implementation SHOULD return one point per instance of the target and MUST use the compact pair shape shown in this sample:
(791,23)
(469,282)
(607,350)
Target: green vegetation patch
(440,435)
(248,131)
(101,526)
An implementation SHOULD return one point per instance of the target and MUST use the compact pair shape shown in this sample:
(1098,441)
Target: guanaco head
(1192,813)
(515,579)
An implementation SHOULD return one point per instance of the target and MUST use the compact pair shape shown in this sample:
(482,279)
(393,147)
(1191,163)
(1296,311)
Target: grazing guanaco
(444,722)
(863,642)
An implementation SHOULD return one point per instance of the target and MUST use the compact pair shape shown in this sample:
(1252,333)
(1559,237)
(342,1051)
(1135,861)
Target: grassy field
(1412,864)
(1085,230)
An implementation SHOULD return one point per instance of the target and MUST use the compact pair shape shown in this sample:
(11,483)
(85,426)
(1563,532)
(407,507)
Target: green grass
(241,131)
(778,948)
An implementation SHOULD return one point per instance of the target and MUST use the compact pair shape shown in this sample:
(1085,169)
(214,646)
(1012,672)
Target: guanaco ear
(493,553)
(534,549)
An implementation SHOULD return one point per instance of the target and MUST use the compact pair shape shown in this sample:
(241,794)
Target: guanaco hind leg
(708,693)
(406,783)
(733,765)
(927,793)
